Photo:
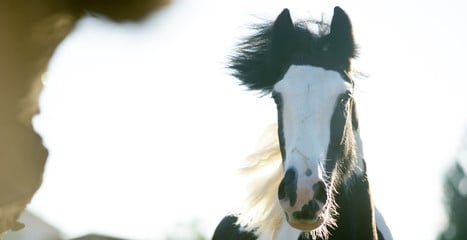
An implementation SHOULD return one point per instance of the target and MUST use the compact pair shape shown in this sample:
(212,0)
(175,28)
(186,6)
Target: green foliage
(455,190)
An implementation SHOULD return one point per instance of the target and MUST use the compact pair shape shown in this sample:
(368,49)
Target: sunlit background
(146,129)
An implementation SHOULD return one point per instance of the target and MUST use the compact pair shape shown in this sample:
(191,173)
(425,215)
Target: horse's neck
(356,211)
(356,219)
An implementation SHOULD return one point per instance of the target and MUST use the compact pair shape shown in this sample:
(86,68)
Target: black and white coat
(309,181)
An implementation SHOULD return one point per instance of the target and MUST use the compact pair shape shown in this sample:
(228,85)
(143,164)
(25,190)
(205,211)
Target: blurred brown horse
(30,31)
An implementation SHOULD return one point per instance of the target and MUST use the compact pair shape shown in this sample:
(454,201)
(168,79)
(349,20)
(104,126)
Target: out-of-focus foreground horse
(30,31)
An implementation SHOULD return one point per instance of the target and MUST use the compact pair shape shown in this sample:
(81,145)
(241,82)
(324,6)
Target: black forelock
(259,62)
(252,62)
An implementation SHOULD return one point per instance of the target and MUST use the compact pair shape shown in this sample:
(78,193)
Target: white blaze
(309,97)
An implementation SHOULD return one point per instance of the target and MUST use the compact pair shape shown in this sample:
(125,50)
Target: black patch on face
(280,125)
(308,211)
(341,135)
(354,116)
(288,186)
(320,192)
(338,124)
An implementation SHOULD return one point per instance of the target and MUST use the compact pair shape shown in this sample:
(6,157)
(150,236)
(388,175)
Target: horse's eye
(344,100)
(345,97)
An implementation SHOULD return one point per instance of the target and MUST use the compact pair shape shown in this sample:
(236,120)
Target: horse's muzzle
(303,200)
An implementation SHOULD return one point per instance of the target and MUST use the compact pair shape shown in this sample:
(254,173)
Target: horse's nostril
(288,187)
(320,193)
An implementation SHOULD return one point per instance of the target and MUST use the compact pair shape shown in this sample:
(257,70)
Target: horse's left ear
(341,36)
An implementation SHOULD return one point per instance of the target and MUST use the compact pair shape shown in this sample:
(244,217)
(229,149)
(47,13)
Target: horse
(314,182)
(29,35)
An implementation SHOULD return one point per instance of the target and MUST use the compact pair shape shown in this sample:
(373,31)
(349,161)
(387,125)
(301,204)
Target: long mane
(261,211)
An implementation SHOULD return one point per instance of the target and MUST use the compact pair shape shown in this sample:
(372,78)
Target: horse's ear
(283,23)
(282,31)
(341,36)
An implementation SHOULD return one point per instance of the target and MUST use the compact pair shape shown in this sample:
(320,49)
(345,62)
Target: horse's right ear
(283,23)
(282,33)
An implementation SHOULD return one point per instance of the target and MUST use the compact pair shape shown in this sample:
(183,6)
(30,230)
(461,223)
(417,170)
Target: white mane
(260,211)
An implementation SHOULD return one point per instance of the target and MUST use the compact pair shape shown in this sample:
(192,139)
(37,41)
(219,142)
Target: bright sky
(146,129)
